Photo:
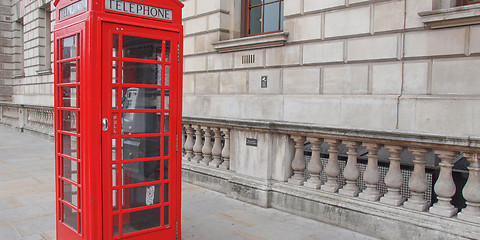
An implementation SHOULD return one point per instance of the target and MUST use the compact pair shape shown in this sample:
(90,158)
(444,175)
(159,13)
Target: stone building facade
(355,111)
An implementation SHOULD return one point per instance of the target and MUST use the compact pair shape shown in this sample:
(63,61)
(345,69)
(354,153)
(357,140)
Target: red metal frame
(93,27)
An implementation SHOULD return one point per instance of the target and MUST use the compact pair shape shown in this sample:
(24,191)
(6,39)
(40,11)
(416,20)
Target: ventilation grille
(248,59)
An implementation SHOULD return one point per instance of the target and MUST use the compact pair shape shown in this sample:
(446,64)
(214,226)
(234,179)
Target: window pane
(135,123)
(166,216)
(69,145)
(141,196)
(69,72)
(70,193)
(282,17)
(141,147)
(255,2)
(165,169)
(139,172)
(115,75)
(115,45)
(145,48)
(167,51)
(165,146)
(255,20)
(165,193)
(69,47)
(166,101)
(141,98)
(166,122)
(69,97)
(69,120)
(70,217)
(271,17)
(141,220)
(142,73)
(167,75)
(70,170)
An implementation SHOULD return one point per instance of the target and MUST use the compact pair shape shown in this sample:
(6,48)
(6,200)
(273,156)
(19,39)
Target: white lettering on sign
(73,9)
(150,195)
(138,9)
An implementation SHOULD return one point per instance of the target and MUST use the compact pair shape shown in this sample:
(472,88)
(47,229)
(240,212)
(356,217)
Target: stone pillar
(371,176)
(445,187)
(351,172)
(471,191)
(197,147)
(315,165)
(207,146)
(298,163)
(217,148)
(189,142)
(394,178)
(332,170)
(226,150)
(418,182)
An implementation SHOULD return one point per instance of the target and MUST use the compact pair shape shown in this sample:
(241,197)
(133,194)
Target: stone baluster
(298,163)
(332,170)
(197,147)
(226,150)
(189,142)
(217,149)
(418,182)
(371,176)
(207,146)
(183,141)
(351,172)
(315,165)
(471,191)
(394,178)
(444,187)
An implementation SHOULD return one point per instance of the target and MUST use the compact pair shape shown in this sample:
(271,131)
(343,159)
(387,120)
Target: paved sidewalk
(27,203)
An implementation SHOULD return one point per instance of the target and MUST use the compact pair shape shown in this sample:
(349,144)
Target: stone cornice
(451,17)
(254,42)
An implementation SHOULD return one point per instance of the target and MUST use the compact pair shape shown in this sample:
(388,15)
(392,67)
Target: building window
(262,16)
(468,2)
(45,39)
(19,49)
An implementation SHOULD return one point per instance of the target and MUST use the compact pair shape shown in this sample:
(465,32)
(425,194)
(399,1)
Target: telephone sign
(118,105)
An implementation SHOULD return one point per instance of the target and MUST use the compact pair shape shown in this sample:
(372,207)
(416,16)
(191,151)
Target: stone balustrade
(198,147)
(397,179)
(34,119)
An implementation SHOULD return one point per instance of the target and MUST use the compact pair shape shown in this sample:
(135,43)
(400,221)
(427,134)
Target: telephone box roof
(173,1)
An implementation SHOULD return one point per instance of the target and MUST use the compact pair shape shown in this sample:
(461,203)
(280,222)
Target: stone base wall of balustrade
(272,164)
(36,120)
(371,218)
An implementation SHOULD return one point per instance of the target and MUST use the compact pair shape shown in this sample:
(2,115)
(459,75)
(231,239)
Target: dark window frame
(470,2)
(246,17)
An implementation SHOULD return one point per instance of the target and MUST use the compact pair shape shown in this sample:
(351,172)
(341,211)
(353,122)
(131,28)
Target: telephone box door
(140,118)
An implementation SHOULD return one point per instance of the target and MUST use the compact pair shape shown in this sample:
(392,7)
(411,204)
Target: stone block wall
(32,46)
(359,63)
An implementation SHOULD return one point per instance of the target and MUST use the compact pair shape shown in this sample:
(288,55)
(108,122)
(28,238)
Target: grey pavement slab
(27,203)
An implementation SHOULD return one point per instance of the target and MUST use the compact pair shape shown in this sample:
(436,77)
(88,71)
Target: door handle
(104,124)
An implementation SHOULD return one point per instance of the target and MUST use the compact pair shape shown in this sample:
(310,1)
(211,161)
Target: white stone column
(189,142)
(298,163)
(207,146)
(371,176)
(394,178)
(315,165)
(332,169)
(197,147)
(226,150)
(418,182)
(217,149)
(351,172)
(444,187)
(471,191)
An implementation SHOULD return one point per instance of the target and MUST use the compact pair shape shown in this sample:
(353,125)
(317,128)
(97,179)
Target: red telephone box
(118,105)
